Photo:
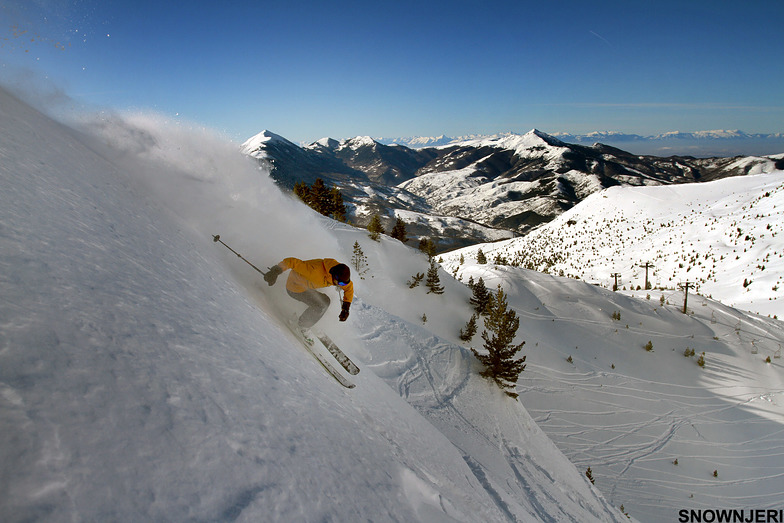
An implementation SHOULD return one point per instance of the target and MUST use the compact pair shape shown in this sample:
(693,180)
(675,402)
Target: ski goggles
(343,283)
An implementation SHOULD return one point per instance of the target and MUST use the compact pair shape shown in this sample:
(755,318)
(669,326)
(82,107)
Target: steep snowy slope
(144,375)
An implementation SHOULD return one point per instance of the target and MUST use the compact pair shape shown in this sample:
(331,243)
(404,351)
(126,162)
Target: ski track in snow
(433,379)
(630,426)
(613,438)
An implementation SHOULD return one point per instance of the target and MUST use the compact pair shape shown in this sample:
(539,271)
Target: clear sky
(307,69)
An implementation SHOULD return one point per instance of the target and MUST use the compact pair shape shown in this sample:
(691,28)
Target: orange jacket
(313,274)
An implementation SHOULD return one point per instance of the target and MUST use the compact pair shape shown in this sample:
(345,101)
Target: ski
(339,355)
(329,368)
(308,342)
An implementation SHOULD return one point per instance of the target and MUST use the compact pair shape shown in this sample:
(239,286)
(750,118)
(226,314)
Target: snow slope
(725,237)
(652,425)
(145,374)
(628,413)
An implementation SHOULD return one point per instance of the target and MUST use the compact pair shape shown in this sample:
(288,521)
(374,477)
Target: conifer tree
(337,208)
(500,330)
(324,200)
(399,231)
(500,260)
(375,227)
(433,282)
(302,191)
(320,199)
(359,260)
(480,257)
(427,246)
(469,331)
(482,299)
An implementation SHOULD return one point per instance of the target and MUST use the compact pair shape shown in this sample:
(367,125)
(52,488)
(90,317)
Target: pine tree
(337,208)
(470,329)
(320,199)
(433,282)
(399,231)
(375,227)
(482,299)
(302,191)
(500,260)
(480,257)
(359,260)
(501,327)
(427,246)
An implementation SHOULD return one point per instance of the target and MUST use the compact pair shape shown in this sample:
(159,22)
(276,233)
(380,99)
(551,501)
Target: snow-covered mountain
(518,182)
(510,182)
(699,143)
(417,142)
(718,134)
(367,173)
(145,373)
(258,145)
(725,237)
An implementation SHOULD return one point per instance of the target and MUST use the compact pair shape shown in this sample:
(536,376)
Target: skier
(309,275)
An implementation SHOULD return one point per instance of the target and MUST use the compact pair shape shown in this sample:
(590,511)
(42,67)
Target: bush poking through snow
(589,475)
(467,333)
(415,280)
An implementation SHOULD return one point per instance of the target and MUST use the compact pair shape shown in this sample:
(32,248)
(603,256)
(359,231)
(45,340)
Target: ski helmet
(341,273)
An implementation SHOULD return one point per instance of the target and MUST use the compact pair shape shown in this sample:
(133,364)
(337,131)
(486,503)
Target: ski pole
(216,239)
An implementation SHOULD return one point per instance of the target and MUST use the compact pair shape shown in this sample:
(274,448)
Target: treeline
(324,200)
(329,202)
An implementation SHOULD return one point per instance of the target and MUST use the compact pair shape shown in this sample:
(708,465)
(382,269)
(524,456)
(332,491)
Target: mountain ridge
(512,182)
(718,135)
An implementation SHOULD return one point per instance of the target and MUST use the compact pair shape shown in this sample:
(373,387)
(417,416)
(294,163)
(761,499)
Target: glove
(272,275)
(344,311)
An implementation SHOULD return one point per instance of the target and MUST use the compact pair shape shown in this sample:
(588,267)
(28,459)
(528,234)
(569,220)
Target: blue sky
(307,70)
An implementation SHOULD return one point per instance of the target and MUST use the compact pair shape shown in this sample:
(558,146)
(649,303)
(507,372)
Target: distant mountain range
(482,188)
(699,143)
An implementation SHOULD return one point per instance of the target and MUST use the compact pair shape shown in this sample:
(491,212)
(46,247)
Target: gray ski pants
(317,303)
